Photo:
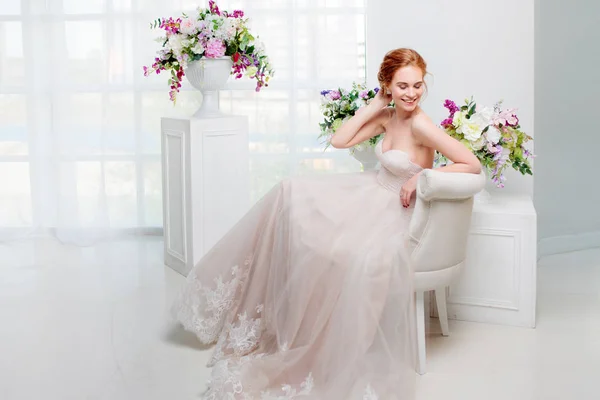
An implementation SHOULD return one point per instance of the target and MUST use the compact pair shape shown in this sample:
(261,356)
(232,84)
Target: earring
(388,92)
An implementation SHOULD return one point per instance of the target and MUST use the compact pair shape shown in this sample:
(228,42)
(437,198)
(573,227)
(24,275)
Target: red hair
(396,59)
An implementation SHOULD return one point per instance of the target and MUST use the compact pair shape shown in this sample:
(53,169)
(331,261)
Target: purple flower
(494,149)
(364,94)
(376,90)
(451,106)
(447,122)
(501,156)
(324,92)
(528,153)
(238,13)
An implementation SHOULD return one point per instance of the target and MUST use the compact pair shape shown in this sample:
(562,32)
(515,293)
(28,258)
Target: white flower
(479,143)
(259,47)
(198,48)
(493,134)
(251,71)
(485,114)
(175,43)
(473,127)
(229,27)
(459,118)
(189,26)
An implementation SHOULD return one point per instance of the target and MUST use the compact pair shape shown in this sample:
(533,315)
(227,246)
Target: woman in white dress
(309,295)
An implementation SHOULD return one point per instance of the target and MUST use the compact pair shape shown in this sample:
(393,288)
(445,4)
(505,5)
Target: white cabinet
(498,283)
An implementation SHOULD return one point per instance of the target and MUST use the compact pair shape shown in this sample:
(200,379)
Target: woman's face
(407,87)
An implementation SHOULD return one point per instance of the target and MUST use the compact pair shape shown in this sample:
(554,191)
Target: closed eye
(403,85)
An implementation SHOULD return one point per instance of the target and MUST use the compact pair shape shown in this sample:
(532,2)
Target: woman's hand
(382,99)
(408,190)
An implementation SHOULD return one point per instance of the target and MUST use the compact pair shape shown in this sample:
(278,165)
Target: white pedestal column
(205,184)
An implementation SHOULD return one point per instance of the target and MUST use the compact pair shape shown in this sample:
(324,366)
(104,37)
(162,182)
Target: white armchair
(438,233)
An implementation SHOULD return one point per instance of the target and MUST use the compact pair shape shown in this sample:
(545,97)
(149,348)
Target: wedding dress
(309,295)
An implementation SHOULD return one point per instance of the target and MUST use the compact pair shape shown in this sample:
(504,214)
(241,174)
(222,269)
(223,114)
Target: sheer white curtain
(80,124)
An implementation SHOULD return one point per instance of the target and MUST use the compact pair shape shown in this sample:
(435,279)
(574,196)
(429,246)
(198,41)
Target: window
(80,124)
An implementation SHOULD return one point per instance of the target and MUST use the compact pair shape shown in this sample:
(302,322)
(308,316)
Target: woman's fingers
(405,196)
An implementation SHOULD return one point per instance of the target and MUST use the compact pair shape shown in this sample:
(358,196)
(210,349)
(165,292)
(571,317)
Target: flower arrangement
(493,134)
(210,33)
(338,106)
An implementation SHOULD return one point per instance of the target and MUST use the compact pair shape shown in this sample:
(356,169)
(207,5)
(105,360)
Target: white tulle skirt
(309,295)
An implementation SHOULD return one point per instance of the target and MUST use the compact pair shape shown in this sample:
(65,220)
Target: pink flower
(334,95)
(188,26)
(213,7)
(506,117)
(513,120)
(215,49)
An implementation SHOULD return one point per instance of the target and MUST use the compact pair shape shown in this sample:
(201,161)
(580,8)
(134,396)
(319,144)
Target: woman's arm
(434,137)
(363,125)
(430,135)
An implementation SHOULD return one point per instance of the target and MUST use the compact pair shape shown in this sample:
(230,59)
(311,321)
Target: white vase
(366,156)
(209,75)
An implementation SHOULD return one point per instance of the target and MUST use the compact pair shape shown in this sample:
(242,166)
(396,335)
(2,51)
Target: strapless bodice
(396,168)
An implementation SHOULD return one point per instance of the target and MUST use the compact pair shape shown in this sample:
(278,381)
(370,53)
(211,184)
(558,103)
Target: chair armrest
(436,185)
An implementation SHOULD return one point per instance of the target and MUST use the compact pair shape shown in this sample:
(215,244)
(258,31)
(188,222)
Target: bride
(309,295)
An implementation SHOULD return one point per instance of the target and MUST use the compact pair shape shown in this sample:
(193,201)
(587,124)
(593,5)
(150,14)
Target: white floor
(92,324)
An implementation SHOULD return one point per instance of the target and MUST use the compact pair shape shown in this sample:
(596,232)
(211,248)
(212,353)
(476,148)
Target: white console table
(205,184)
(498,283)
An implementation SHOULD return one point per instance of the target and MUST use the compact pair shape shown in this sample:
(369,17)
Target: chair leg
(420,311)
(440,300)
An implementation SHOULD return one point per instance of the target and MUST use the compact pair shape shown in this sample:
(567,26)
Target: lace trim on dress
(370,394)
(226,383)
(207,313)
(203,310)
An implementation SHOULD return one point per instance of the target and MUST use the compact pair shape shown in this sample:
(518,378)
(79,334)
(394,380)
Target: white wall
(567,187)
(482,48)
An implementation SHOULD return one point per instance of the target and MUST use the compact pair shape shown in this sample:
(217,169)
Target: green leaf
(472,109)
